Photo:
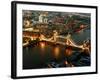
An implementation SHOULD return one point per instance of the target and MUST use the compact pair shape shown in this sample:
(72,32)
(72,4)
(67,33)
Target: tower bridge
(54,39)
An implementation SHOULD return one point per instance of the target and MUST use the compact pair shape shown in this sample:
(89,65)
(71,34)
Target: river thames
(44,55)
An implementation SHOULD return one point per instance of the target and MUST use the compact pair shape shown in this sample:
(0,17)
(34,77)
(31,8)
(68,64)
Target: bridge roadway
(64,44)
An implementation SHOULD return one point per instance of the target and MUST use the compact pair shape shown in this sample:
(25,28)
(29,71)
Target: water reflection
(42,45)
(68,52)
(56,51)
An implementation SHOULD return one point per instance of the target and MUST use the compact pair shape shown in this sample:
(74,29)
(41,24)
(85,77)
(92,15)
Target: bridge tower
(42,37)
(55,34)
(68,39)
